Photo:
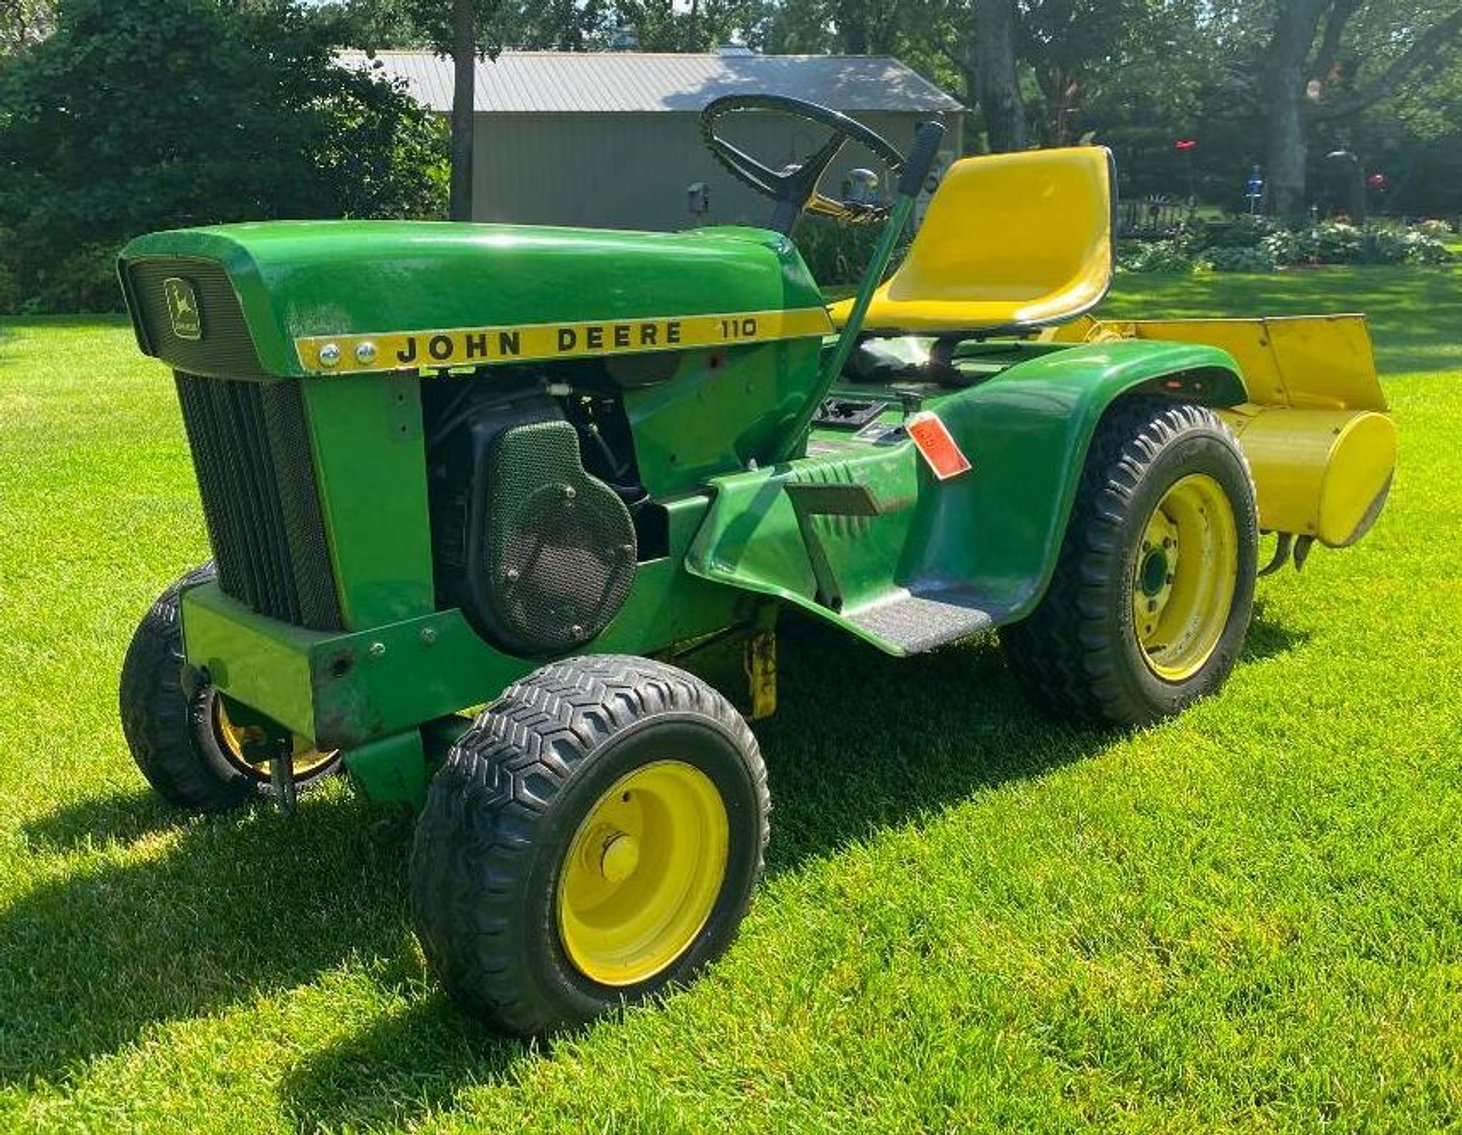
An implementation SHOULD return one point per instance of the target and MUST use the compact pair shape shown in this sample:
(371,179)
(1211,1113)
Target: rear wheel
(186,743)
(1152,594)
(593,838)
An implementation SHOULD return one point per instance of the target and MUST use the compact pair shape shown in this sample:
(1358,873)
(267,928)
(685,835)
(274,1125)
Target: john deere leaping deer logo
(182,308)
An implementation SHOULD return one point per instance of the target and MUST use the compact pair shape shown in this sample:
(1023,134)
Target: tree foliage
(160,113)
(24,22)
(1379,76)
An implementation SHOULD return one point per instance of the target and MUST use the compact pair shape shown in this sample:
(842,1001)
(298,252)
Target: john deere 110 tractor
(492,507)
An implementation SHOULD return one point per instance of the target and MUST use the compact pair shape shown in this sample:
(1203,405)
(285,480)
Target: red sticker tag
(939,448)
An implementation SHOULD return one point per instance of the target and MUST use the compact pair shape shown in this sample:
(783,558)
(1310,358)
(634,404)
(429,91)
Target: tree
(996,79)
(461,30)
(160,113)
(1305,77)
(1070,44)
(464,106)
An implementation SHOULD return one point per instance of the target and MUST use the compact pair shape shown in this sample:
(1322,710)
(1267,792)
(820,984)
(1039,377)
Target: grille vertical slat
(299,503)
(254,491)
(260,499)
(205,439)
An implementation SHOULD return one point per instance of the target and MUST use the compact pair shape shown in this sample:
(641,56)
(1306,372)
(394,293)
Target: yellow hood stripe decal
(536,342)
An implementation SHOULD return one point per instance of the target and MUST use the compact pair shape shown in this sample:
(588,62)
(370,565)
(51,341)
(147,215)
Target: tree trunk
(464,66)
(851,18)
(999,85)
(1283,79)
(1286,146)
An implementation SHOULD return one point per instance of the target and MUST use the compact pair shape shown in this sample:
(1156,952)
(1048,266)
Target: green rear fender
(1027,432)
(989,537)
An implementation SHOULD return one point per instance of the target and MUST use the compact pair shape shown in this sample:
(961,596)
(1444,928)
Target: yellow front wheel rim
(643,873)
(232,738)
(1184,577)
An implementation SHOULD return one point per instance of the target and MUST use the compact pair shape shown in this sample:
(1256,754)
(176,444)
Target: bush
(1423,249)
(84,281)
(1334,242)
(1259,244)
(162,113)
(1435,230)
(1239,260)
(1404,246)
(1154,256)
(839,254)
(1244,231)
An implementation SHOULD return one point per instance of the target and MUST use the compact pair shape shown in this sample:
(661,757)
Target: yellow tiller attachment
(1316,431)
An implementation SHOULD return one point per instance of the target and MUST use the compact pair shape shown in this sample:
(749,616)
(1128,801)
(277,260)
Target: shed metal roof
(529,82)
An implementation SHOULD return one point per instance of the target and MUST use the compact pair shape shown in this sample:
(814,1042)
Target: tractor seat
(1010,242)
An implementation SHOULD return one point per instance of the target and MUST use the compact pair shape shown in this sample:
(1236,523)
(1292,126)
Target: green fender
(1027,432)
(982,545)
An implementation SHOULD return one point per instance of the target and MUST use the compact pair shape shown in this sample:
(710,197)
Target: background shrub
(156,114)
(1261,244)
(837,254)
(1258,259)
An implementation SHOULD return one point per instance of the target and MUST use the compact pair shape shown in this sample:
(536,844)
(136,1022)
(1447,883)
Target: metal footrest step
(918,621)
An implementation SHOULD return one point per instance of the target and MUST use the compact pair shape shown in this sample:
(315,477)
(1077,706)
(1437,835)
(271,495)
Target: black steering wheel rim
(794,189)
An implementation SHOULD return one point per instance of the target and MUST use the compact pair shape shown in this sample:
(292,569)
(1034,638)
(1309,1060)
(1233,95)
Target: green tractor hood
(237,300)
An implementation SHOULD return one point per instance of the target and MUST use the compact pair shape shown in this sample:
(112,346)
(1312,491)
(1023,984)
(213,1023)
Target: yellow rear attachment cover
(1316,431)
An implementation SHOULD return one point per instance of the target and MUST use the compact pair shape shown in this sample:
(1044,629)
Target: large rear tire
(185,745)
(1154,587)
(594,837)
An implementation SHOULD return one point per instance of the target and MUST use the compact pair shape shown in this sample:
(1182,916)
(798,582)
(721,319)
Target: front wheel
(184,742)
(594,837)
(1154,587)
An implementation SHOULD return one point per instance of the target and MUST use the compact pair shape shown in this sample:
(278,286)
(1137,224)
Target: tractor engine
(533,505)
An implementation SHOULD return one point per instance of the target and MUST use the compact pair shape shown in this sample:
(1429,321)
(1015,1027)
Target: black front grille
(251,452)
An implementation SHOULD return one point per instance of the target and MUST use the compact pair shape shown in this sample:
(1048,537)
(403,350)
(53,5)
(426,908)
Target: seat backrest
(1030,229)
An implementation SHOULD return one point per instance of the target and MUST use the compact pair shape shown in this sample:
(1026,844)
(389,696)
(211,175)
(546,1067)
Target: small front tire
(594,837)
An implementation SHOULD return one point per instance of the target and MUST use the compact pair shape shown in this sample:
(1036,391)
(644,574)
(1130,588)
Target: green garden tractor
(503,519)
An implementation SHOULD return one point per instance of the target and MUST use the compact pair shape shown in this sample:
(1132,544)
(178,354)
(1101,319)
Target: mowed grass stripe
(974,918)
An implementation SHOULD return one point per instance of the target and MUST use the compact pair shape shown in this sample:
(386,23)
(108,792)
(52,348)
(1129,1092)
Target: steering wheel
(794,187)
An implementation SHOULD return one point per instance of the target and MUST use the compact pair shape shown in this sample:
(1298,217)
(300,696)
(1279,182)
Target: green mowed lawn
(1250,917)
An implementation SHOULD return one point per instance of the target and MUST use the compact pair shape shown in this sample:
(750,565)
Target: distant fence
(1151,218)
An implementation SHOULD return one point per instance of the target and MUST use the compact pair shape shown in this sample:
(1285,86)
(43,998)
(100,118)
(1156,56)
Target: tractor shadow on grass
(400,1068)
(94,822)
(1269,639)
(187,917)
(861,742)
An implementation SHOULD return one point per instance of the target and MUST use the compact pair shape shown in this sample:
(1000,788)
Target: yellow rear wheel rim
(1184,577)
(231,738)
(643,873)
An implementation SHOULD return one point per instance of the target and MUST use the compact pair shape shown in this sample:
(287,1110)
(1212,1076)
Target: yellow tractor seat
(1010,242)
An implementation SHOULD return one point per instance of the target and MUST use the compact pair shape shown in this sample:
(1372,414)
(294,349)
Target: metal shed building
(611,139)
